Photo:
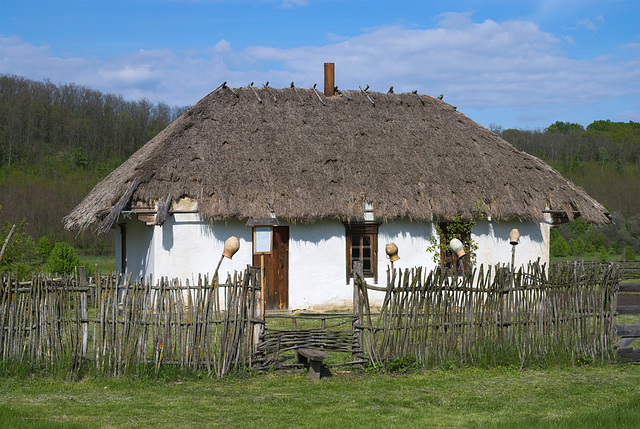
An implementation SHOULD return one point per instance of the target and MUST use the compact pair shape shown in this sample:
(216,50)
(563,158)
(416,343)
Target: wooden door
(276,270)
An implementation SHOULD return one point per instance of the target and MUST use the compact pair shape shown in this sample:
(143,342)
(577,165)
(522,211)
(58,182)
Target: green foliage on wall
(458,228)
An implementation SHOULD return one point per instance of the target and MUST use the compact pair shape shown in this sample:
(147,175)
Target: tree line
(41,122)
(57,142)
(603,158)
(571,145)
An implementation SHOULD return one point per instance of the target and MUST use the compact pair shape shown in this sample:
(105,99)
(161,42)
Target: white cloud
(586,23)
(589,24)
(293,3)
(485,65)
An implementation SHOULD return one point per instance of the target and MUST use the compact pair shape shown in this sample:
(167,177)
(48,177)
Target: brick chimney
(329,79)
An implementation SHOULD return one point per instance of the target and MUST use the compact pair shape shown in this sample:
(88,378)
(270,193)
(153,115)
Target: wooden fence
(492,316)
(629,303)
(204,327)
(329,332)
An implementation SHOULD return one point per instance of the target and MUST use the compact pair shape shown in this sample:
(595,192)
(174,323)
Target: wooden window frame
(255,228)
(447,258)
(361,230)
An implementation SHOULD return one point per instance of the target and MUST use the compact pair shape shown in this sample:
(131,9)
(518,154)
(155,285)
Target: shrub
(603,255)
(628,254)
(559,246)
(614,248)
(578,247)
(63,259)
(44,248)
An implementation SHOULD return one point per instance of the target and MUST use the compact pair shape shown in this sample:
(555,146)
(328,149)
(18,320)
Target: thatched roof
(244,152)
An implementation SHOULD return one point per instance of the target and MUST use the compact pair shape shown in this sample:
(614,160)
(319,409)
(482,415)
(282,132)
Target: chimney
(329,79)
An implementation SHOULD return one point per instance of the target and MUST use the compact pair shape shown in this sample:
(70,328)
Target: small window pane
(355,253)
(355,240)
(366,252)
(263,239)
(366,265)
(366,240)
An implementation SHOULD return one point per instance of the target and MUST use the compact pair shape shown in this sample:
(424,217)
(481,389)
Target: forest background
(58,140)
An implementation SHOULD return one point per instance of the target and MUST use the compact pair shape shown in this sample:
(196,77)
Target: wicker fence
(493,317)
(488,317)
(132,327)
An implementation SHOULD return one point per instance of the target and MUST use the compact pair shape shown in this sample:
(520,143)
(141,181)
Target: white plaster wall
(187,246)
(317,266)
(117,238)
(494,247)
(139,248)
(317,261)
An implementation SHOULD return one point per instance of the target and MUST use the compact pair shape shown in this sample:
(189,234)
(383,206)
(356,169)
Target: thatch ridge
(246,151)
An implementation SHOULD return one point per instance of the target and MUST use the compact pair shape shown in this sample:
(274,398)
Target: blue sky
(517,64)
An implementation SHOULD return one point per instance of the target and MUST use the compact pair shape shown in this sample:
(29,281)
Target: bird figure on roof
(440,96)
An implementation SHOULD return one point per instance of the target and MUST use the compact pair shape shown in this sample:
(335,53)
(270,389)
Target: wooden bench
(312,358)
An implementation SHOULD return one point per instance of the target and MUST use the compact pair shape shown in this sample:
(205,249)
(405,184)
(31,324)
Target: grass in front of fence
(587,396)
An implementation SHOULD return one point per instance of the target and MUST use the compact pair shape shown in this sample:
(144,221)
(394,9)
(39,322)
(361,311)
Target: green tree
(44,248)
(579,227)
(20,256)
(63,259)
(578,248)
(560,247)
(564,127)
(628,254)
(594,240)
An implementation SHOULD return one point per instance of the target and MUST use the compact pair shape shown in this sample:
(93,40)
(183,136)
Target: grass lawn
(587,396)
(104,264)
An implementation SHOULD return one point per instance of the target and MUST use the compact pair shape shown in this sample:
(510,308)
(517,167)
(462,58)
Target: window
(262,239)
(362,245)
(449,261)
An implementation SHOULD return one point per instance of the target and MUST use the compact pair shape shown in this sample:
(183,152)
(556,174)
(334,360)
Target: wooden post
(358,275)
(84,308)
(262,281)
(258,308)
(329,79)
(6,242)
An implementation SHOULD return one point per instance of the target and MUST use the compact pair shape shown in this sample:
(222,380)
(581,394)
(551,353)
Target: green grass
(587,257)
(104,264)
(588,396)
